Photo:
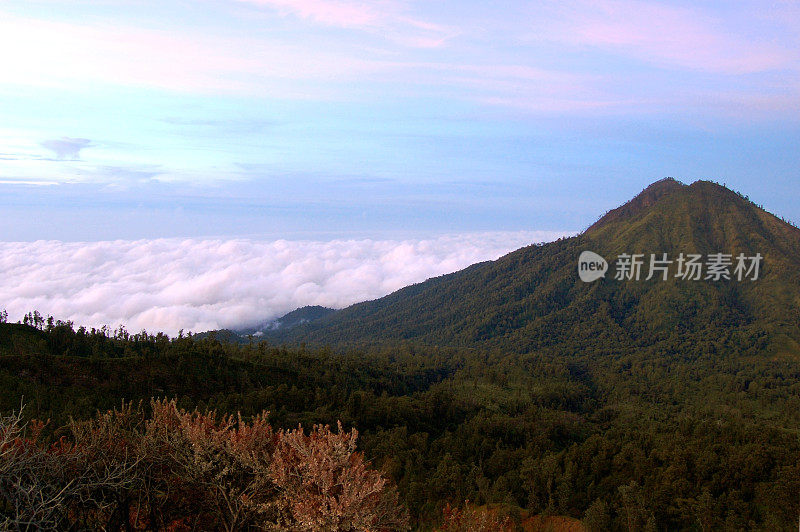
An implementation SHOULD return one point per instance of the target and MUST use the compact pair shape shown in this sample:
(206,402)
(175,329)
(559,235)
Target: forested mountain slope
(532,298)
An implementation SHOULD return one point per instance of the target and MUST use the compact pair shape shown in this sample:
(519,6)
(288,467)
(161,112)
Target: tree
(597,518)
(326,484)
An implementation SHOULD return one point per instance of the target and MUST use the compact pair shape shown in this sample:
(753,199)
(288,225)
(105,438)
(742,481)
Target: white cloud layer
(196,285)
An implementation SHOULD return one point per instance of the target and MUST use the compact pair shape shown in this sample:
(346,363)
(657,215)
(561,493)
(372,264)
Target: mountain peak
(646,198)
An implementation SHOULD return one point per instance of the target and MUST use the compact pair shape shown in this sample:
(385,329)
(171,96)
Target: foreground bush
(179,470)
(470,518)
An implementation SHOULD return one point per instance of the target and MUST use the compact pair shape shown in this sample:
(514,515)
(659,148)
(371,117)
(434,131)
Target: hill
(300,316)
(532,298)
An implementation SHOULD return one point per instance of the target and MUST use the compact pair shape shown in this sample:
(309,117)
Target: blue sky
(329,118)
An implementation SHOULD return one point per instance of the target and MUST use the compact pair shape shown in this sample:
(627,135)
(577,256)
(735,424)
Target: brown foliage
(327,485)
(179,470)
(470,518)
(28,500)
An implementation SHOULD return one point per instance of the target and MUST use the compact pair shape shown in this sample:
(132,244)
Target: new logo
(591,266)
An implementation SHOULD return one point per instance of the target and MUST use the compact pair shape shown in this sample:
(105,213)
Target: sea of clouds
(200,284)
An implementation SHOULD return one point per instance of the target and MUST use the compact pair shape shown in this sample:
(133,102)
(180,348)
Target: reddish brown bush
(179,470)
(34,481)
(326,485)
(470,518)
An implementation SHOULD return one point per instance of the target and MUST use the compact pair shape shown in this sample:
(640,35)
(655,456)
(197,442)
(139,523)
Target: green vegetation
(532,298)
(631,405)
(644,434)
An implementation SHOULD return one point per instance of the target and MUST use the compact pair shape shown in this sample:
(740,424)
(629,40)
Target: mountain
(533,298)
(300,316)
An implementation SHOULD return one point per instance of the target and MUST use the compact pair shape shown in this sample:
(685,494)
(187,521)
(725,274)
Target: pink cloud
(56,54)
(346,14)
(383,17)
(666,35)
(481,66)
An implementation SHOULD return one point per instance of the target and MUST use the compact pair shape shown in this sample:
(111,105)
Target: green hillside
(290,320)
(532,298)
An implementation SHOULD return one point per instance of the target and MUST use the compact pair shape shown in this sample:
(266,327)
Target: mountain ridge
(298,316)
(531,297)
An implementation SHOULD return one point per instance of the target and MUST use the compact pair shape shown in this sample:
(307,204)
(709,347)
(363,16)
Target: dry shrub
(471,518)
(181,470)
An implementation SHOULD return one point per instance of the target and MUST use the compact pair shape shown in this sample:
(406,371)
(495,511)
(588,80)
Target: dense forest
(508,395)
(624,441)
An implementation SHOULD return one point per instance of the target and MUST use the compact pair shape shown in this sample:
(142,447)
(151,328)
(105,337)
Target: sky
(381,121)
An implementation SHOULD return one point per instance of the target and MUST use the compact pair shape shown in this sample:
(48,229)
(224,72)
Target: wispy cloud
(386,17)
(206,284)
(59,54)
(67,147)
(388,56)
(346,14)
(667,35)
